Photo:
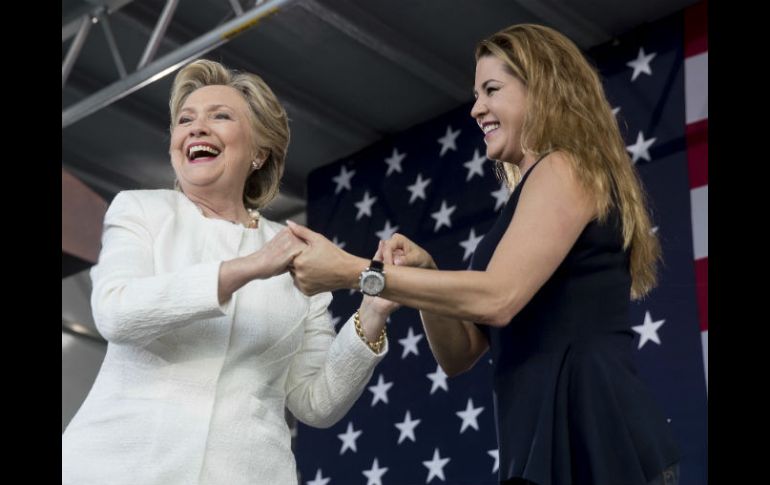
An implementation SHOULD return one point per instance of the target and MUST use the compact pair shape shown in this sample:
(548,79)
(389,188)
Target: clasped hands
(318,265)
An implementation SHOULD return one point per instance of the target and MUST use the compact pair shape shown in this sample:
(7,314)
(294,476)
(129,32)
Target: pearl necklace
(254,215)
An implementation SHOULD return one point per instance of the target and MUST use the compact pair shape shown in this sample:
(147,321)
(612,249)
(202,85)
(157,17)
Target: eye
(222,116)
(184,119)
(492,89)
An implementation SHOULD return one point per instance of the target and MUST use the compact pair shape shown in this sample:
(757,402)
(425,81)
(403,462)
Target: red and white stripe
(697,111)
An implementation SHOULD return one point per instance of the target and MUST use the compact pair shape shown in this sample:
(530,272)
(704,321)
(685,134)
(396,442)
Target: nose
(478,109)
(198,128)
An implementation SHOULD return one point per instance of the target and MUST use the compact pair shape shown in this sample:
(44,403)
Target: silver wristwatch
(372,280)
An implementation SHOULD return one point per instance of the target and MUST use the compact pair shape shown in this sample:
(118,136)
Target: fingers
(400,250)
(399,257)
(286,244)
(296,250)
(301,232)
(389,247)
(404,252)
(280,252)
(383,253)
(293,237)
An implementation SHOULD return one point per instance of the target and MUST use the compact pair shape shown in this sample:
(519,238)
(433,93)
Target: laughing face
(212,142)
(499,110)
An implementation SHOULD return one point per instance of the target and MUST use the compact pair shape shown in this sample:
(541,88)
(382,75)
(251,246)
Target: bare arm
(552,212)
(456,345)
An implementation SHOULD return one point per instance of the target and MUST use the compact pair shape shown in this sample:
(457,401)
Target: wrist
(372,333)
(370,311)
(233,271)
(259,270)
(353,271)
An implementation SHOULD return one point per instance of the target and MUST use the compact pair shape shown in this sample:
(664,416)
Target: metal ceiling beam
(119,64)
(299,105)
(81,84)
(236,7)
(80,23)
(380,38)
(74,51)
(158,33)
(70,27)
(170,62)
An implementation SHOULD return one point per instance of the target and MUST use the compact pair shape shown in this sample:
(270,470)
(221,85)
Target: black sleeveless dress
(570,407)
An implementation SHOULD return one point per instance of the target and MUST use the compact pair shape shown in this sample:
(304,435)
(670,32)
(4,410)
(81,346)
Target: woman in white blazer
(208,339)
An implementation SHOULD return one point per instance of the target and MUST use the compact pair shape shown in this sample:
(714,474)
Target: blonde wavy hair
(267,116)
(568,111)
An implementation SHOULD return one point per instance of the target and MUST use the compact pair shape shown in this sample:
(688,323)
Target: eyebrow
(211,107)
(484,85)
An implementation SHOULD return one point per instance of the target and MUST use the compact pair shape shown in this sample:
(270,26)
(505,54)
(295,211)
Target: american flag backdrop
(413,425)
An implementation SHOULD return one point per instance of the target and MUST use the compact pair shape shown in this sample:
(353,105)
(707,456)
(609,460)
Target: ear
(261,157)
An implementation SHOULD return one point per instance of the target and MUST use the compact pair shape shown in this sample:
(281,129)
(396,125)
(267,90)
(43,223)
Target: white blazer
(191,392)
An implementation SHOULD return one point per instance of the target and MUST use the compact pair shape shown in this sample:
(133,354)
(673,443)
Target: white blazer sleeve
(130,302)
(329,372)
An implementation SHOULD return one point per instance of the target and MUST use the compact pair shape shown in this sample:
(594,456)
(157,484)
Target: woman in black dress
(549,287)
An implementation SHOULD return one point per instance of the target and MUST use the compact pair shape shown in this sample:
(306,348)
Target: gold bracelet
(375,346)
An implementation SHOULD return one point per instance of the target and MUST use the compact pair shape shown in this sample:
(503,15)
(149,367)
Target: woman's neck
(526,162)
(221,208)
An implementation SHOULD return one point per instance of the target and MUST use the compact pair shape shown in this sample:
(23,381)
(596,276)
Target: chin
(492,155)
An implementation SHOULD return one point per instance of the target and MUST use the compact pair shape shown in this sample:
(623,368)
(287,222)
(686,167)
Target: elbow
(321,419)
(114,324)
(454,370)
(456,363)
(113,328)
(111,319)
(500,320)
(499,311)
(320,423)
(321,414)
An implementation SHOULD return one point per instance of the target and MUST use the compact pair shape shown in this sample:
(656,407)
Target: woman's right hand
(272,259)
(401,251)
(276,256)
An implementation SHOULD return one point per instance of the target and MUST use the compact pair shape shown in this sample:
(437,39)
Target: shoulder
(555,178)
(146,207)
(558,168)
(553,184)
(147,199)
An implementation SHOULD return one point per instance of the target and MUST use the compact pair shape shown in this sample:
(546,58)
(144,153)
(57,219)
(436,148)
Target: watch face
(372,283)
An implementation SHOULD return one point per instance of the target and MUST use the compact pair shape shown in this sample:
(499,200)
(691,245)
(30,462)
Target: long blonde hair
(568,111)
(268,119)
